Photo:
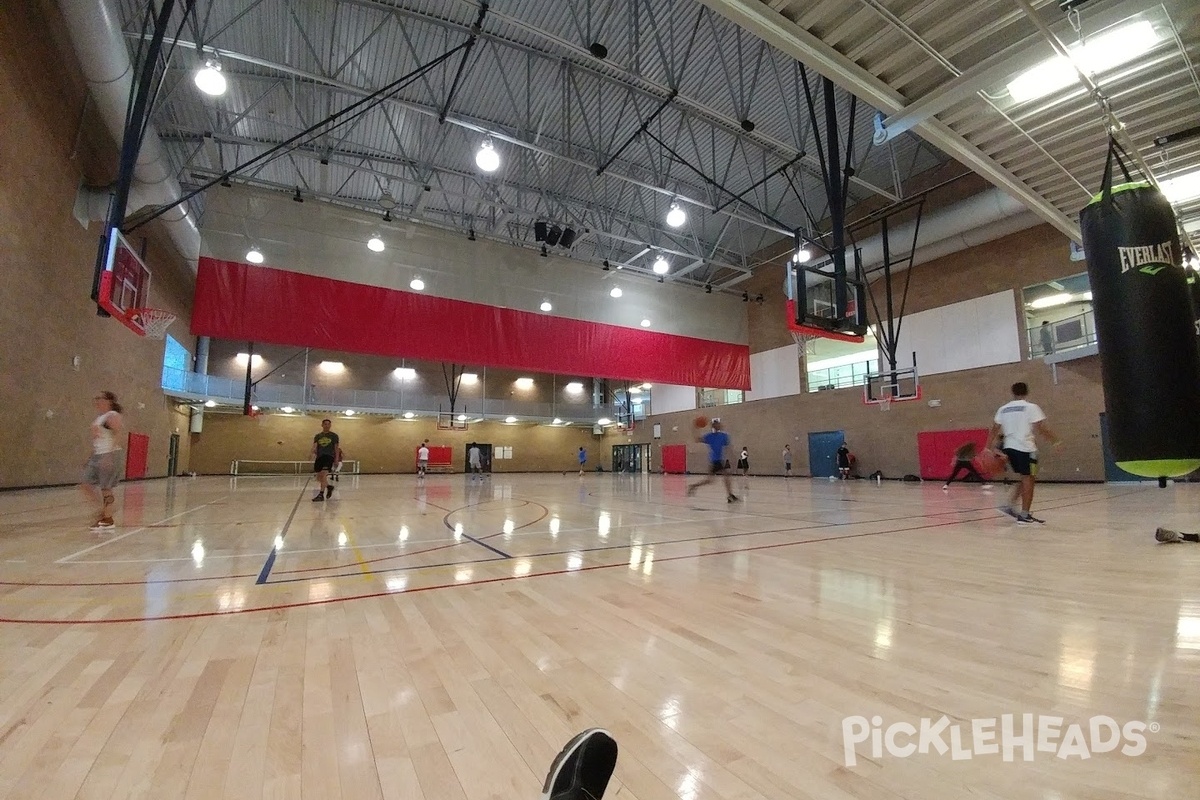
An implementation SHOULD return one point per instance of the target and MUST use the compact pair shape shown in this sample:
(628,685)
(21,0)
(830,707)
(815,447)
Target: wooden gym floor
(232,639)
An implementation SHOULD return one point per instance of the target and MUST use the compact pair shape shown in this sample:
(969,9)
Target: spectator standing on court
(787,461)
(474,459)
(744,462)
(716,440)
(423,459)
(100,472)
(326,451)
(843,462)
(964,458)
(1015,428)
(582,460)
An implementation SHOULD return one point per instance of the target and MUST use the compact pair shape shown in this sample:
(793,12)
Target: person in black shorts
(326,451)
(843,462)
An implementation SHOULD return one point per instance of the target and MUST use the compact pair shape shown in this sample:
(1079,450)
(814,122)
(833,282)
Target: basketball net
(885,404)
(807,342)
(154,321)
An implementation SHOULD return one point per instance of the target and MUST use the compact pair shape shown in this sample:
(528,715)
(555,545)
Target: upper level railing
(1062,334)
(197,387)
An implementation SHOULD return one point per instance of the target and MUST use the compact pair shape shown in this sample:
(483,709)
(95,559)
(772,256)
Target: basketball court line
(106,542)
(279,537)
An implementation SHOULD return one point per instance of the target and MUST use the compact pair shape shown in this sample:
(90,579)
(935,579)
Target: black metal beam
(476,29)
(369,101)
(757,184)
(643,128)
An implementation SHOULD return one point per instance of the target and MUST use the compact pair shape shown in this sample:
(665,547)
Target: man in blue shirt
(582,460)
(717,440)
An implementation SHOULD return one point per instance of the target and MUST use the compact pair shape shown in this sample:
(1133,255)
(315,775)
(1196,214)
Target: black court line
(270,562)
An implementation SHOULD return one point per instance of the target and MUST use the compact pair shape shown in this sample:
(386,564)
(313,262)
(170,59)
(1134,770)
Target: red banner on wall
(248,303)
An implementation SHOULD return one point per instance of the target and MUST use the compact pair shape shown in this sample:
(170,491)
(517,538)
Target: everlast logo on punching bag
(1150,259)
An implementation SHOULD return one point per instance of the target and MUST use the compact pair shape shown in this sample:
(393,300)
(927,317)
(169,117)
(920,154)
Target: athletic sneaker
(1168,536)
(582,769)
(1025,519)
(986,487)
(1010,511)
(320,498)
(329,491)
(103,524)
(946,487)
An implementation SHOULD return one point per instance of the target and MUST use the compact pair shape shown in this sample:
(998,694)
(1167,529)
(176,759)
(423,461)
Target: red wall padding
(136,455)
(248,303)
(439,455)
(674,458)
(935,449)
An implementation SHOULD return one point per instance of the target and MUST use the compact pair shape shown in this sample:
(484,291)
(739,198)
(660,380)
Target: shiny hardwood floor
(233,639)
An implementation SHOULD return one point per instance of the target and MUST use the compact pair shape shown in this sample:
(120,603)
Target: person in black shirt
(326,451)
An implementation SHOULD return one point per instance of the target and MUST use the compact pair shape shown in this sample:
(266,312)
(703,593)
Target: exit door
(822,453)
(485,457)
(631,458)
(173,456)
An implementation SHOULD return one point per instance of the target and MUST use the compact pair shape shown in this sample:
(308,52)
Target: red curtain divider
(243,302)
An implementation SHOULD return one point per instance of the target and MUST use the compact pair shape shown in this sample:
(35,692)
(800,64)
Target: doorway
(485,457)
(173,456)
(631,458)
(822,453)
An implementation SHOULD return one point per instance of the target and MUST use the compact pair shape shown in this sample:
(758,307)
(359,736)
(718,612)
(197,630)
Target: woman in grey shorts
(100,474)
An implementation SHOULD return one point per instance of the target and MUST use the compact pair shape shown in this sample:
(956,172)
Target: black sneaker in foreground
(320,498)
(731,499)
(1029,519)
(1168,536)
(582,770)
(329,491)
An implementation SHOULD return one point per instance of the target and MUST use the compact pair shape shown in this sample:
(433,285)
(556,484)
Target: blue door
(1113,473)
(822,453)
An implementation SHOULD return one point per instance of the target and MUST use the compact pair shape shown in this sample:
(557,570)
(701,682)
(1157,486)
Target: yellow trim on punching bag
(1161,467)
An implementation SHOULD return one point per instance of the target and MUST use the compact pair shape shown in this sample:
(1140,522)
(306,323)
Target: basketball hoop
(807,342)
(154,321)
(885,404)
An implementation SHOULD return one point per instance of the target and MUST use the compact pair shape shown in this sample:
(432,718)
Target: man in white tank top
(100,473)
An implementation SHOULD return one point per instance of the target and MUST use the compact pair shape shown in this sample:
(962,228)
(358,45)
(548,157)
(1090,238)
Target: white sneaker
(1168,536)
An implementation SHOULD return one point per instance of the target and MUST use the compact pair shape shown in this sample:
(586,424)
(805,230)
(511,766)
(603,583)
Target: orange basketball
(700,421)
(991,462)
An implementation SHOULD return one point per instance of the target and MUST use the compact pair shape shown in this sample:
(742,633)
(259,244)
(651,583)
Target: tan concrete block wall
(48,317)
(386,445)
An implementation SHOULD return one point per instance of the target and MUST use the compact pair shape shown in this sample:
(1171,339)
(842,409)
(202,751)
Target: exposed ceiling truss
(602,145)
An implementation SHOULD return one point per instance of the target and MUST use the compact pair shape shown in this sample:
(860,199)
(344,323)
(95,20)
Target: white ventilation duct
(95,32)
(950,223)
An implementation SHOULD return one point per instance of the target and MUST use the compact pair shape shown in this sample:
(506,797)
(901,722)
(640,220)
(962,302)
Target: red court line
(481,582)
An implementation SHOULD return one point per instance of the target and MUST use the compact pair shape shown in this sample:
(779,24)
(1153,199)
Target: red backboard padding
(136,454)
(674,458)
(242,302)
(935,449)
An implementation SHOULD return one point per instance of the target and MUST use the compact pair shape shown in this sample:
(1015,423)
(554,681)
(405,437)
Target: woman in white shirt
(100,474)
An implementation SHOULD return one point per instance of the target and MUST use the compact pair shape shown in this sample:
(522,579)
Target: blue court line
(482,543)
(270,562)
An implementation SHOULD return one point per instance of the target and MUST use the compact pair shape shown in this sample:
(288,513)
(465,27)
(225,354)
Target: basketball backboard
(817,304)
(124,283)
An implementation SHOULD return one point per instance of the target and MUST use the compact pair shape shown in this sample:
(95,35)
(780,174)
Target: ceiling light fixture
(332,366)
(661,267)
(574,387)
(1051,300)
(462,417)
(645,323)
(616,292)
(210,80)
(255,256)
(409,415)
(1182,188)
(210,403)
(604,421)
(510,420)
(676,216)
(487,158)
(802,255)
(1100,54)
(375,244)
(349,412)
(468,378)
(416,284)
(524,383)
(405,373)
(287,409)
(557,421)
(546,306)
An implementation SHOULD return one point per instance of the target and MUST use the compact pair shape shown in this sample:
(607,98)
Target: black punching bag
(1146,327)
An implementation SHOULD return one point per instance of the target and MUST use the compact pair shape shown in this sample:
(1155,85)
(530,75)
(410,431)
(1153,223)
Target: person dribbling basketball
(716,440)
